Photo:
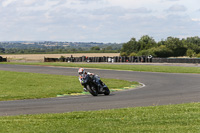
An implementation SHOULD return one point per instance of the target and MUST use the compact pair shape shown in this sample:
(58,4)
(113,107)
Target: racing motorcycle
(92,84)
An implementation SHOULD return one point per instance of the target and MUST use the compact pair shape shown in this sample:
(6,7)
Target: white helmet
(81,71)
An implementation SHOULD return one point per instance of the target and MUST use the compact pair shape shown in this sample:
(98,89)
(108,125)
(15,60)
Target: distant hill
(54,47)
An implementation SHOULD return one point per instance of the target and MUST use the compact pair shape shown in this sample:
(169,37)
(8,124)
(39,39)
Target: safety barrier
(123,59)
(100,59)
(176,60)
(3,59)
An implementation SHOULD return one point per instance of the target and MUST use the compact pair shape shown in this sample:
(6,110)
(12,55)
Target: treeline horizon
(145,46)
(31,49)
(170,47)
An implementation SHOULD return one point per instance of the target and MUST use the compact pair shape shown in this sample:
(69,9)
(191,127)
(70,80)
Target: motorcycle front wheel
(106,91)
(92,90)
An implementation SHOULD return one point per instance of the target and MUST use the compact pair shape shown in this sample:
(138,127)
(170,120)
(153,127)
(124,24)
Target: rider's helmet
(81,71)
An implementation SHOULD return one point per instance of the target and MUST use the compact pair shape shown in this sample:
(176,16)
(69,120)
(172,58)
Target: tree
(2,50)
(129,47)
(162,51)
(171,46)
(190,53)
(194,40)
(95,48)
(198,55)
(173,43)
(146,42)
(73,50)
(123,54)
(109,48)
(146,52)
(133,54)
(176,45)
(193,43)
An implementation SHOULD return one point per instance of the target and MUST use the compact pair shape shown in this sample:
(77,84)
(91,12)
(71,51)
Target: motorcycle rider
(82,74)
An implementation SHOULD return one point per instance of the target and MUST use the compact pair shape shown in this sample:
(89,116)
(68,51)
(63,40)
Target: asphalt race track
(160,89)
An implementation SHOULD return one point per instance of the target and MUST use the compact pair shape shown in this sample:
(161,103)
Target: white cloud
(5,3)
(177,8)
(196,19)
(29,2)
(97,20)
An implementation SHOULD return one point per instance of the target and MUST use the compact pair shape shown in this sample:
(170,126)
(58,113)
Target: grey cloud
(170,0)
(140,10)
(177,8)
(85,2)
(109,24)
(88,1)
(109,10)
(119,11)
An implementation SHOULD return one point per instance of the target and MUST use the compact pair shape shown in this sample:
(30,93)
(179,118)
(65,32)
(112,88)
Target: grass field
(141,68)
(183,118)
(18,85)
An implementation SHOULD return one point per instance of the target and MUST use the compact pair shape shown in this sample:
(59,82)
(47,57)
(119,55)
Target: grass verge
(170,118)
(19,85)
(142,68)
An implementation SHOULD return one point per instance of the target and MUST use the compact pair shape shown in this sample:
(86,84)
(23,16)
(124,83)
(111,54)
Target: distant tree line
(170,47)
(146,45)
(54,51)
(31,49)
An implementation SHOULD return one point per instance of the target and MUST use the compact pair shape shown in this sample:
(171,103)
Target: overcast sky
(97,20)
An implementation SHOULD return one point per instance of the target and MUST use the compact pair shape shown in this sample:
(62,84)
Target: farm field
(40,57)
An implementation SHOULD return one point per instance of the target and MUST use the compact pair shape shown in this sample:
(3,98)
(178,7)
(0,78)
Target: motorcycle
(92,84)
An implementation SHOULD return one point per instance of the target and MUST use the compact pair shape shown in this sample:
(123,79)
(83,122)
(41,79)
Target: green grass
(183,118)
(142,68)
(18,85)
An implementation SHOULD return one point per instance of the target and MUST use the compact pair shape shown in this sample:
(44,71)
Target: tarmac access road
(159,89)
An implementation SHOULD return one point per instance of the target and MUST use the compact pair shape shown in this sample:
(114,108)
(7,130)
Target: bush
(95,48)
(133,54)
(198,55)
(123,54)
(62,58)
(146,52)
(162,51)
(180,51)
(190,53)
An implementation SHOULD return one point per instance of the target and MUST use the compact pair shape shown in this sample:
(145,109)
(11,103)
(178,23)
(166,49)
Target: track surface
(160,89)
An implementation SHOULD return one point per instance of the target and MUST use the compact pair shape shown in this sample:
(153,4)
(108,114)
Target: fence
(3,59)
